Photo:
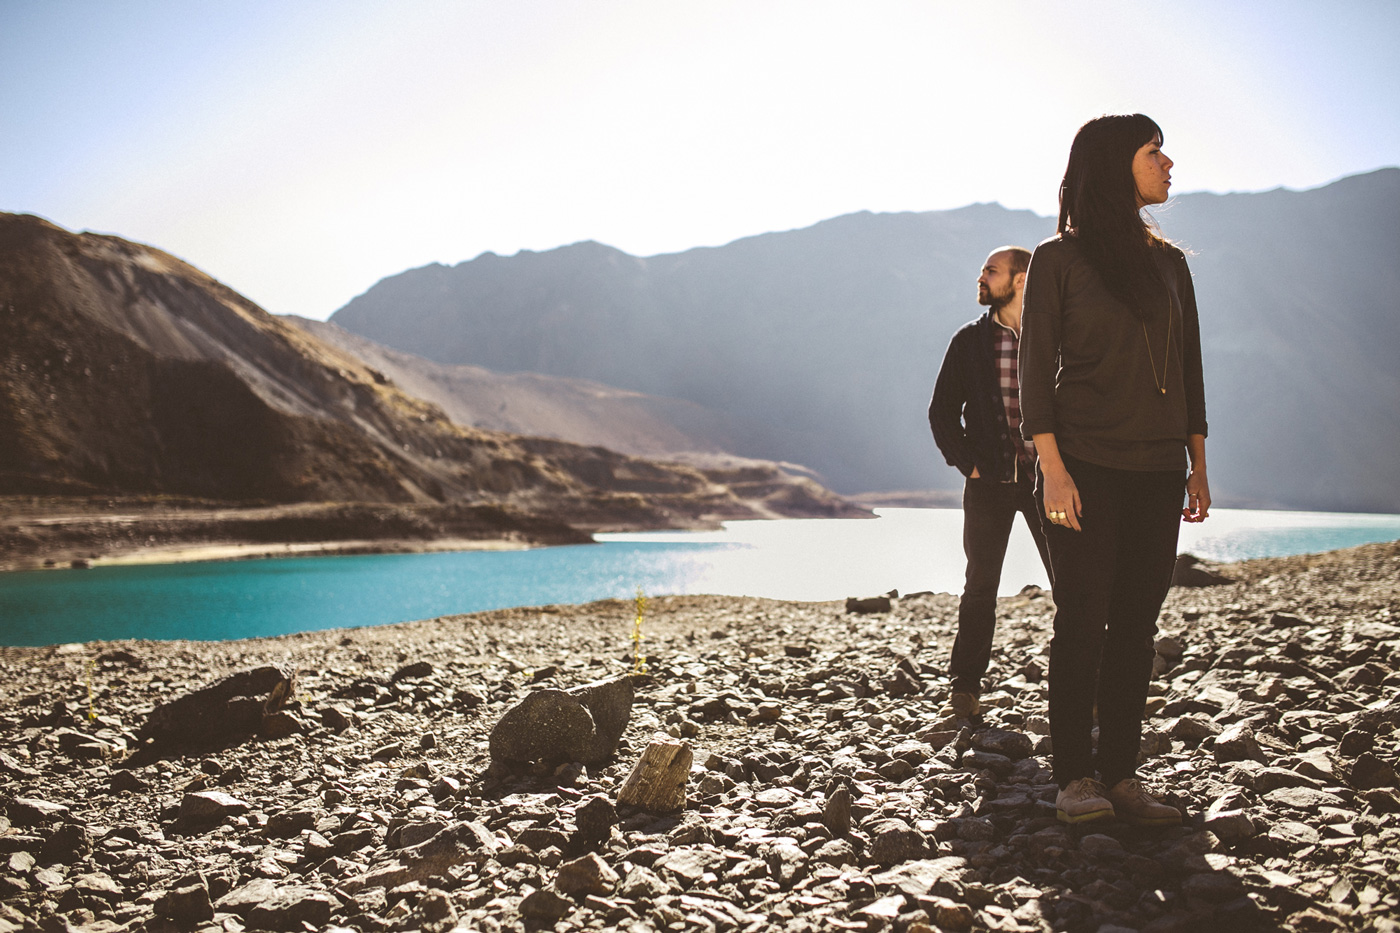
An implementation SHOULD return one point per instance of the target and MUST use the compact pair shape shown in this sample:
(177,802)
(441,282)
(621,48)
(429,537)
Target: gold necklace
(1166,354)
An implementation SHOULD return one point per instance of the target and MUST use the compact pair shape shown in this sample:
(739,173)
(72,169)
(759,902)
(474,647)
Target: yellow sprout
(639,660)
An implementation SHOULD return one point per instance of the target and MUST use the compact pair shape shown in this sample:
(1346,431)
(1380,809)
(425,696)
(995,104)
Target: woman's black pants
(1108,582)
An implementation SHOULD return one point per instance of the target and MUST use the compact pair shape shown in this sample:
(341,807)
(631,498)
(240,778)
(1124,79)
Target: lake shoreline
(60,532)
(51,534)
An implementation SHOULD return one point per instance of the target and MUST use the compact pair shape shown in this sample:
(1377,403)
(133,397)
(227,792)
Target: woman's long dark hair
(1098,207)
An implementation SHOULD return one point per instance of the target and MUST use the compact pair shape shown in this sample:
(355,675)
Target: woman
(1112,395)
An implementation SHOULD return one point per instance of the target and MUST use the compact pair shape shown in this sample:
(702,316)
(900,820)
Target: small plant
(88,669)
(639,660)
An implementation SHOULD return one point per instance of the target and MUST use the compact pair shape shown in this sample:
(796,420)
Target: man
(976,420)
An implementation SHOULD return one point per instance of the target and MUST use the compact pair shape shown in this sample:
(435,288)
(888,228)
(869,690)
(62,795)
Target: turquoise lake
(813,559)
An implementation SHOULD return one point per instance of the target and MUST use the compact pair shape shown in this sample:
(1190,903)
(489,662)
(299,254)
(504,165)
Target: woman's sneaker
(1135,805)
(1083,801)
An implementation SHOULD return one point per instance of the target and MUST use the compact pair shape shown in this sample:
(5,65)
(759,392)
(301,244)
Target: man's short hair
(1020,258)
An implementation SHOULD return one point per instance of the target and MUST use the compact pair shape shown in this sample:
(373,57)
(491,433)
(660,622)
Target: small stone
(642,884)
(98,884)
(836,814)
(1369,771)
(1237,743)
(948,914)
(595,818)
(1193,729)
(211,806)
(896,770)
(20,863)
(1291,836)
(895,841)
(336,719)
(292,908)
(886,908)
(545,906)
(1211,886)
(416,670)
(186,905)
(1013,745)
(836,852)
(1302,798)
(1267,779)
(30,811)
(689,864)
(1098,845)
(1355,743)
(585,876)
(866,606)
(787,863)
(125,781)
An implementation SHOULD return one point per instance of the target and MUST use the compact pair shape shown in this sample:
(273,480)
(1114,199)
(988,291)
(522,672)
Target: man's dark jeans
(1109,583)
(989,510)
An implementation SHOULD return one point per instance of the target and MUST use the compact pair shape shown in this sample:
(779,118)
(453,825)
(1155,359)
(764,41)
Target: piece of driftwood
(657,782)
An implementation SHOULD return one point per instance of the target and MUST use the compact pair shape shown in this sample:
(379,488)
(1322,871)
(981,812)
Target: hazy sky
(300,150)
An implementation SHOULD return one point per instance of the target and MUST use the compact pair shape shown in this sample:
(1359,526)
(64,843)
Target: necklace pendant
(1164,390)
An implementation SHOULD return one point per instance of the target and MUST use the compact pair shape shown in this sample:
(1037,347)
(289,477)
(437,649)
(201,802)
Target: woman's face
(1152,172)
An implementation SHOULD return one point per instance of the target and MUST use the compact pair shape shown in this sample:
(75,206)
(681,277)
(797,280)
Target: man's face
(995,286)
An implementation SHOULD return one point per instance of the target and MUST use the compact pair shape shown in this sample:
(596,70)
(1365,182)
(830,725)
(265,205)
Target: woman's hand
(1062,505)
(1197,497)
(1197,486)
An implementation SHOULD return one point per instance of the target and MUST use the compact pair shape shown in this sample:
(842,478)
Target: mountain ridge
(826,339)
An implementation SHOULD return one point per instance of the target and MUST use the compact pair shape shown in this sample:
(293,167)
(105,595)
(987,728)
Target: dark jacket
(966,412)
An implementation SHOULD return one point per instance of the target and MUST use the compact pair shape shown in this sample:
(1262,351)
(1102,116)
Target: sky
(301,150)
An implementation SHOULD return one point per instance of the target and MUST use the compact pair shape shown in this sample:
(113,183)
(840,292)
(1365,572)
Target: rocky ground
(827,790)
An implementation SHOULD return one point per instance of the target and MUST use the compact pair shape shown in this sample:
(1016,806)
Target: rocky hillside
(827,791)
(820,346)
(129,372)
(575,410)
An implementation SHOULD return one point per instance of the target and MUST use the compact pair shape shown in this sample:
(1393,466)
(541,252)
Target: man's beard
(993,301)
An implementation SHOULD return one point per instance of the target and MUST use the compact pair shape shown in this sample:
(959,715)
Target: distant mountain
(576,410)
(820,346)
(129,372)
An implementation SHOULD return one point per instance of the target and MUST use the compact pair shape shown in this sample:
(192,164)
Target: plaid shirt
(1006,341)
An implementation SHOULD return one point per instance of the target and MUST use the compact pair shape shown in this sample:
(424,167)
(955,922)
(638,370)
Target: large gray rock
(1191,571)
(222,714)
(583,724)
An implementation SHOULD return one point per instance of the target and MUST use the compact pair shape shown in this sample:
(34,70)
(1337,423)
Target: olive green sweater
(1086,375)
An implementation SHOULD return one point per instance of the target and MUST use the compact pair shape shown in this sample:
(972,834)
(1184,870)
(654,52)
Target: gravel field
(827,791)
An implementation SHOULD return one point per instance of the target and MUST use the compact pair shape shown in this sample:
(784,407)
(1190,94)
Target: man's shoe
(963,705)
(1135,805)
(1083,801)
